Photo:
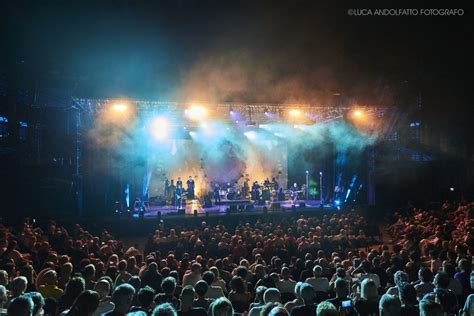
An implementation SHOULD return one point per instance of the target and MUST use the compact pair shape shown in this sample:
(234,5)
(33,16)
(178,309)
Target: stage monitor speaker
(261,202)
(233,209)
(181,211)
(302,204)
(276,206)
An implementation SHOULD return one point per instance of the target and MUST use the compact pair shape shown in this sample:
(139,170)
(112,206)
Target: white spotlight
(160,128)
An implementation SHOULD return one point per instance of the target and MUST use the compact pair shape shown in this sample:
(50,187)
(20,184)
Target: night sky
(251,51)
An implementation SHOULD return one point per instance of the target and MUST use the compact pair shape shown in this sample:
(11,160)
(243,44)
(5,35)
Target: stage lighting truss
(249,113)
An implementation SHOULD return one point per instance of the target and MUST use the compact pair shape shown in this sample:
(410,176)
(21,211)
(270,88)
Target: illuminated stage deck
(235,207)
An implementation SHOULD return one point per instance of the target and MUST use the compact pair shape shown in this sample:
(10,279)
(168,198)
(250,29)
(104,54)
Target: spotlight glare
(295,112)
(119,107)
(196,112)
(160,128)
(358,113)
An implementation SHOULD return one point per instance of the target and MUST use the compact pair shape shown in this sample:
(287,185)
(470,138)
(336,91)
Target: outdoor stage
(230,207)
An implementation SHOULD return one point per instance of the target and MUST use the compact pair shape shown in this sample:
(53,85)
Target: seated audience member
(399,277)
(18,286)
(84,305)
(407,296)
(169,286)
(443,295)
(238,295)
(165,309)
(429,307)
(297,301)
(20,306)
(326,309)
(342,292)
(308,295)
(74,287)
(102,287)
(145,298)
(122,298)
(425,285)
(201,288)
(468,308)
(318,282)
(213,291)
(368,303)
(271,295)
(50,287)
(259,291)
(389,305)
(286,284)
(3,300)
(192,277)
(221,307)
(186,303)
(38,303)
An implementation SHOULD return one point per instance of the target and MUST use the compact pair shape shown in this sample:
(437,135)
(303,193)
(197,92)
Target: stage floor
(194,206)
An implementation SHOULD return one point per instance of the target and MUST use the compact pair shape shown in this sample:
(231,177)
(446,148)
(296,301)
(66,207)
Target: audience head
(429,307)
(271,295)
(326,309)
(368,290)
(389,305)
(20,306)
(165,309)
(85,304)
(221,307)
(307,293)
(122,297)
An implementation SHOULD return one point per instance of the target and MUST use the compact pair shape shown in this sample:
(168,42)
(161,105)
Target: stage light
(295,126)
(120,107)
(236,122)
(295,112)
(160,128)
(451,189)
(196,112)
(358,113)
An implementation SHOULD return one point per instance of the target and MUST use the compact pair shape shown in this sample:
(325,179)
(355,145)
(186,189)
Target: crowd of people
(337,264)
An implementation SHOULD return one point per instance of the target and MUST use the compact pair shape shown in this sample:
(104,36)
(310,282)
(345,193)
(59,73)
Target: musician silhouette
(179,197)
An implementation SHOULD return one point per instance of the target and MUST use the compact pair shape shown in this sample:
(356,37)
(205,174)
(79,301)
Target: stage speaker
(261,202)
(181,211)
(302,204)
(158,215)
(233,209)
(276,207)
(195,213)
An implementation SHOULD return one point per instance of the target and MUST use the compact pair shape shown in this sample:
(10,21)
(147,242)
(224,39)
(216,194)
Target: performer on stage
(190,185)
(294,192)
(256,191)
(217,197)
(245,189)
(276,185)
(179,197)
(167,187)
(179,183)
(266,183)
